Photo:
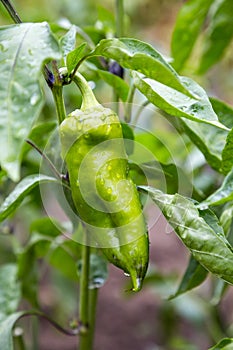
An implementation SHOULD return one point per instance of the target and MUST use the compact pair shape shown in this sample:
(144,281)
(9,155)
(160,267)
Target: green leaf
(67,42)
(119,85)
(23,188)
(175,178)
(74,57)
(10,292)
(224,344)
(177,104)
(194,275)
(6,340)
(218,35)
(188,25)
(202,136)
(227,154)
(24,48)
(223,111)
(222,195)
(142,57)
(198,230)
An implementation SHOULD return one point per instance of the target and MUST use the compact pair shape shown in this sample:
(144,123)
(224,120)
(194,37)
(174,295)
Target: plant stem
(119,18)
(35,332)
(119,32)
(129,102)
(93,296)
(84,343)
(11,10)
(18,339)
(59,102)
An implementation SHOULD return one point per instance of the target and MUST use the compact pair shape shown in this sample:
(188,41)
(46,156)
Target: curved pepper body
(105,197)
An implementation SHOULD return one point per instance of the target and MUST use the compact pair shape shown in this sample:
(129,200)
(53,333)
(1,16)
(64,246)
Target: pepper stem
(89,99)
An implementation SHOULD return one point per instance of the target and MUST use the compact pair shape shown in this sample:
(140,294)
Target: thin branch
(44,156)
(11,10)
(70,332)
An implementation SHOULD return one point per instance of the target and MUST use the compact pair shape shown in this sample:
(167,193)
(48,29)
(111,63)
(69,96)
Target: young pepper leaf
(74,56)
(198,230)
(23,188)
(188,25)
(24,49)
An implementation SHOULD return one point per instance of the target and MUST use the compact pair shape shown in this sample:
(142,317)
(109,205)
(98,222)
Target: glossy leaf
(142,57)
(198,230)
(194,275)
(218,35)
(224,344)
(188,25)
(177,104)
(24,48)
(74,57)
(6,339)
(10,291)
(222,195)
(23,188)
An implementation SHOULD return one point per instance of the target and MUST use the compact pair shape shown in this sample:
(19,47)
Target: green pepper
(104,195)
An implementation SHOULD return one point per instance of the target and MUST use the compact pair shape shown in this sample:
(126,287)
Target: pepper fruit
(104,195)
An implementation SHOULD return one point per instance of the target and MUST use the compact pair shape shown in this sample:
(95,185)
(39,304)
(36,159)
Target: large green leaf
(6,340)
(10,292)
(23,48)
(142,57)
(218,35)
(188,25)
(194,275)
(223,194)
(175,103)
(224,344)
(198,230)
(23,188)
